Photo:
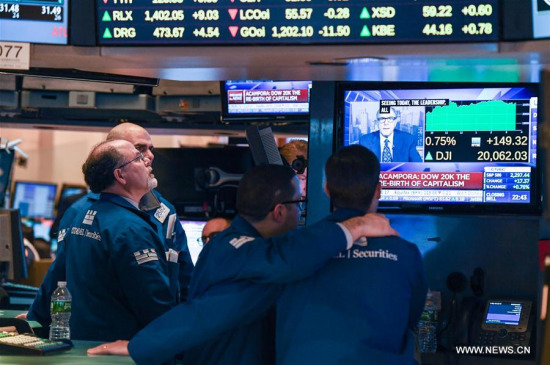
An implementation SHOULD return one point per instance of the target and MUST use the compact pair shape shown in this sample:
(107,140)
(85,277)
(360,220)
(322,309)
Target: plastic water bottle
(60,310)
(427,327)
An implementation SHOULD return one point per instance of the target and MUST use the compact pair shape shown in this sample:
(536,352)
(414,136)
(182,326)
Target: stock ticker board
(240,22)
(37,21)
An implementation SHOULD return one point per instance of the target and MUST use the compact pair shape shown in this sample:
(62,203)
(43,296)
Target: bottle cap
(62,284)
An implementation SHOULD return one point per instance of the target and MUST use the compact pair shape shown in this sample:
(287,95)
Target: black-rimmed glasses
(386,120)
(301,203)
(203,240)
(140,156)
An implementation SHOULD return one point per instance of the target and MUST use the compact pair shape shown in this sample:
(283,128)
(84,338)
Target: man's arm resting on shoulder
(300,253)
(194,322)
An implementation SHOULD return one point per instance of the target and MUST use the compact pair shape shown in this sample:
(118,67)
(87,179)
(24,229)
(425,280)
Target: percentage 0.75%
(440,141)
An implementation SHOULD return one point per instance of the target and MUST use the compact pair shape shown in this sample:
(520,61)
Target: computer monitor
(12,251)
(201,182)
(34,199)
(193,231)
(6,161)
(452,147)
(68,190)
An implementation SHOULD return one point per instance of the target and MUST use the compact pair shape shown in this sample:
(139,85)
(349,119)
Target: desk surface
(76,355)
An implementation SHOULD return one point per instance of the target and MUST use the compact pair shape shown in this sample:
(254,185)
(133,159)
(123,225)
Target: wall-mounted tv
(448,147)
(35,21)
(261,100)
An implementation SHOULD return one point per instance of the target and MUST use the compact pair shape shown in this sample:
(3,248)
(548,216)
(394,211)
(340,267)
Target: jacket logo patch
(162,212)
(146,255)
(89,217)
(238,242)
(61,235)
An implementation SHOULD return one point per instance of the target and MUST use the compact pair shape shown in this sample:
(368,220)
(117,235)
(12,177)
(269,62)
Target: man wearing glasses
(116,267)
(228,318)
(162,213)
(212,228)
(390,144)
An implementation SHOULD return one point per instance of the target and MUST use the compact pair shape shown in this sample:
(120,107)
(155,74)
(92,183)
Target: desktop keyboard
(20,290)
(27,344)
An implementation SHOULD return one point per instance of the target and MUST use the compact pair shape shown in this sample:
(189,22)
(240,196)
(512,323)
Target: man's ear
(325,188)
(278,213)
(378,191)
(119,176)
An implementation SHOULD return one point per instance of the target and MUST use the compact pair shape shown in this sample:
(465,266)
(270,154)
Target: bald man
(213,227)
(163,215)
(116,267)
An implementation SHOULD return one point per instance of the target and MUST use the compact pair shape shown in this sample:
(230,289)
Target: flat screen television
(452,147)
(265,100)
(34,199)
(44,21)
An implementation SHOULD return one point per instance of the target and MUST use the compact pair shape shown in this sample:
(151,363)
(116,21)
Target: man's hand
(119,348)
(369,225)
(22,316)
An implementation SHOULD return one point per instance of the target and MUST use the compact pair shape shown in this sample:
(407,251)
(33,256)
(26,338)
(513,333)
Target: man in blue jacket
(228,318)
(116,266)
(363,306)
(390,144)
(163,214)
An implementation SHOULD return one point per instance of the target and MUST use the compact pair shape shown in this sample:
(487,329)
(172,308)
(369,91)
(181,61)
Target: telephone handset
(504,323)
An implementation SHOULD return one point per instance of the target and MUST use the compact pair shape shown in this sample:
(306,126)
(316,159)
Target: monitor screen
(34,199)
(507,313)
(35,21)
(447,147)
(541,18)
(6,161)
(265,99)
(201,182)
(193,231)
(12,251)
(69,193)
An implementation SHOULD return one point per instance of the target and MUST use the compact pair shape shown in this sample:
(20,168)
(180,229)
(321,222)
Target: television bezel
(286,117)
(534,207)
(14,188)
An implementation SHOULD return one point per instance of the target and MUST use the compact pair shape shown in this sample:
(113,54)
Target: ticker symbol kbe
(365,32)
(107,33)
(106,17)
(364,14)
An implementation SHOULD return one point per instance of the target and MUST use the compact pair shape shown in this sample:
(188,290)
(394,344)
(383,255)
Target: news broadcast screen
(448,147)
(256,99)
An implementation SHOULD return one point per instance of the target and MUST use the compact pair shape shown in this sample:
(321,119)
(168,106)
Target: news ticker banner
(268,101)
(222,22)
(495,184)
(36,21)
